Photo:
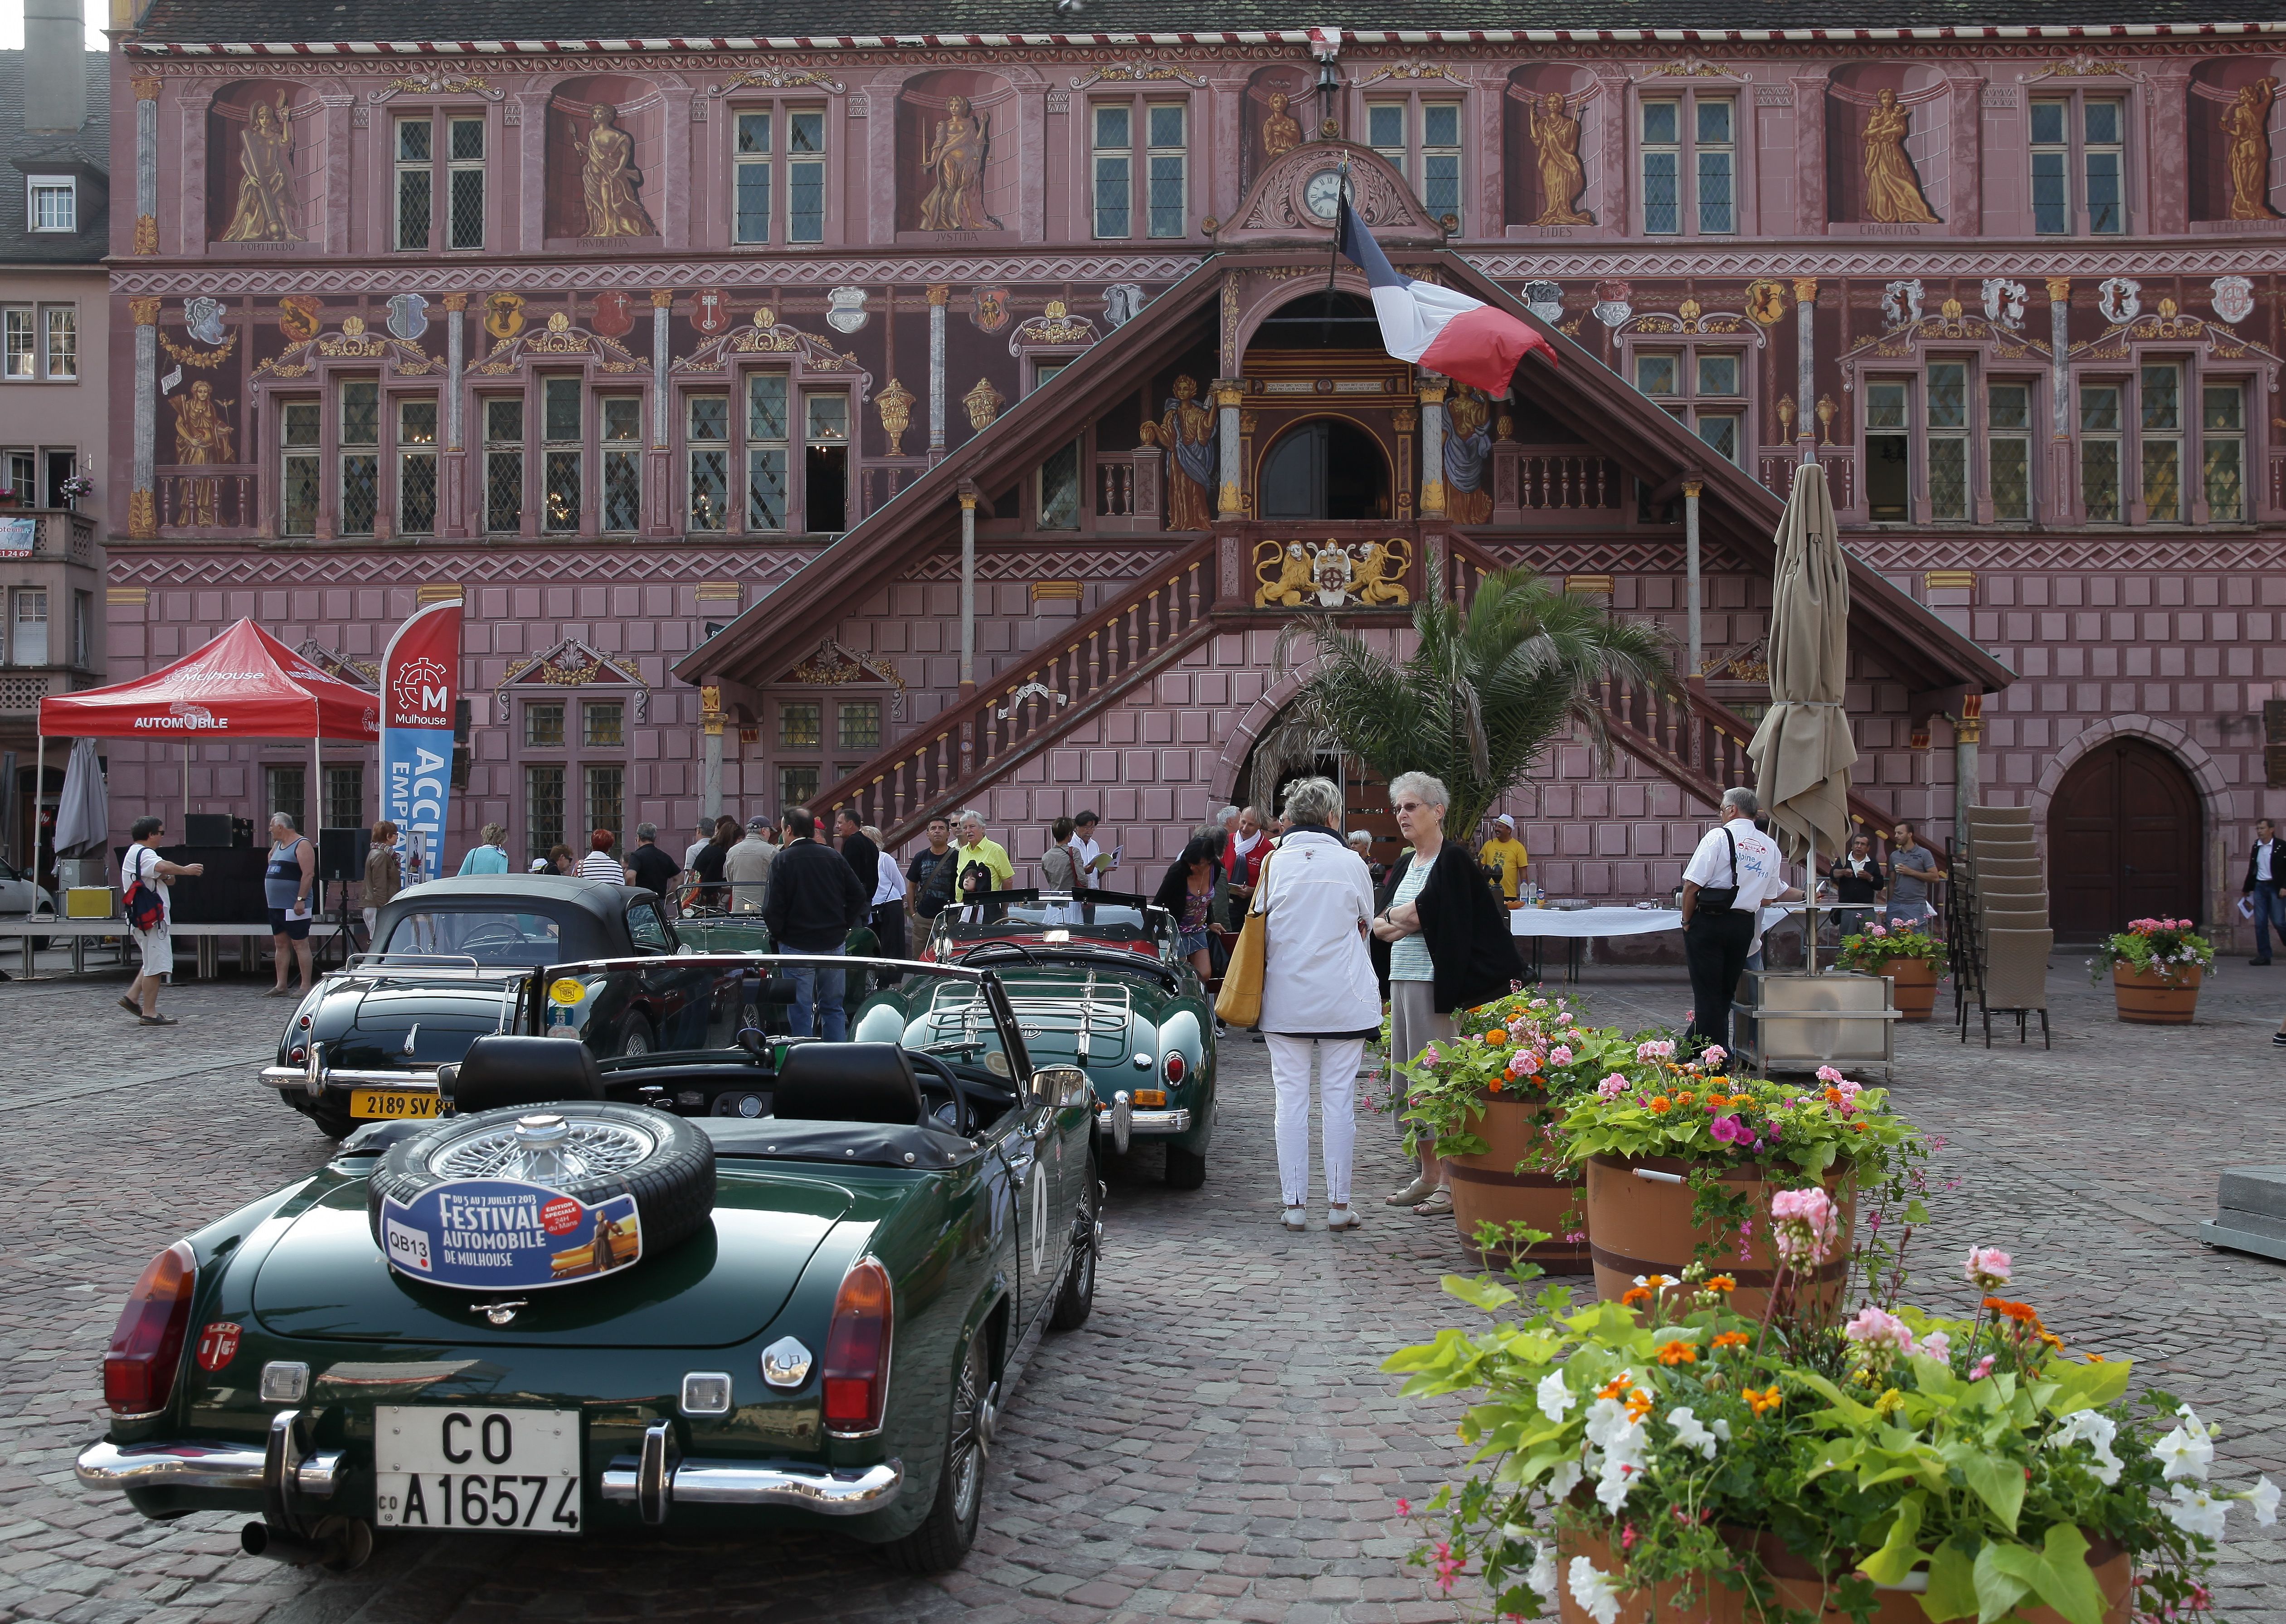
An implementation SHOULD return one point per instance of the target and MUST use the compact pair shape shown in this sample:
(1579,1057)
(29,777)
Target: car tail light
(147,1345)
(857,1353)
(1174,1069)
(295,1055)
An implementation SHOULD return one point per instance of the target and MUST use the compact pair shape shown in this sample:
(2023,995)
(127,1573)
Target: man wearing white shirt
(1086,855)
(1734,870)
(2265,871)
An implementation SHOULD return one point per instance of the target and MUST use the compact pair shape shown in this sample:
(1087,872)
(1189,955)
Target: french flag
(1465,339)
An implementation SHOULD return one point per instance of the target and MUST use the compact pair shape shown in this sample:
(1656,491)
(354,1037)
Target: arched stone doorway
(2126,828)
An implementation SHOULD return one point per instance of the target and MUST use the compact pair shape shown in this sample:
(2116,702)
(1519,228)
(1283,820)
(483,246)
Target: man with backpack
(147,877)
(929,877)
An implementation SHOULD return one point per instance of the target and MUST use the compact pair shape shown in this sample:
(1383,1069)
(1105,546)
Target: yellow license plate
(384,1104)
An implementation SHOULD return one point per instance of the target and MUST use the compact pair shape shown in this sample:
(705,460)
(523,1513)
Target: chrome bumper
(297,1076)
(1148,1123)
(237,1467)
(659,1477)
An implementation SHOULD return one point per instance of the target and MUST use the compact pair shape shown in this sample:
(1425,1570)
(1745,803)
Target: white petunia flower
(1596,1591)
(1721,1429)
(2264,1498)
(1554,1398)
(2187,1451)
(1562,1481)
(2097,1431)
(1690,1433)
(2195,1510)
(1607,1419)
(1542,1575)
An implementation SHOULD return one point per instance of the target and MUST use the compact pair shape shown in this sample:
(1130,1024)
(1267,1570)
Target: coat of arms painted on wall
(298,317)
(613,316)
(991,312)
(504,315)
(408,316)
(710,312)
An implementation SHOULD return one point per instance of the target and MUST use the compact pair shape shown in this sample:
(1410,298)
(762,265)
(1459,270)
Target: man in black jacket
(864,857)
(815,899)
(2265,871)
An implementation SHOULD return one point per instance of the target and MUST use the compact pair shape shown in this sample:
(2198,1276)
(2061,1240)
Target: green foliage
(1486,690)
(1876,945)
(1526,1046)
(2168,949)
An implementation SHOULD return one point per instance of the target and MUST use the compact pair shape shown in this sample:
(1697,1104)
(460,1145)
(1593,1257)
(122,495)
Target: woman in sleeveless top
(289,884)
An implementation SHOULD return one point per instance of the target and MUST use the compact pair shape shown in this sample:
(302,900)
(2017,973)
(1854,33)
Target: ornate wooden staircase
(961,752)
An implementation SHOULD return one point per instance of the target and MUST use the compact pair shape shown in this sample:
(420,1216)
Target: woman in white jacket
(1318,993)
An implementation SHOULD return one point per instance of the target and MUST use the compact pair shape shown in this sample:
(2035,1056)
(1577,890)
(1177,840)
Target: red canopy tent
(244,684)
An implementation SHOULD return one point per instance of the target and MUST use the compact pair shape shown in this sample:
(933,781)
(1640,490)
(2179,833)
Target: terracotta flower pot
(1800,1589)
(1912,986)
(1642,1226)
(2163,1001)
(1487,1188)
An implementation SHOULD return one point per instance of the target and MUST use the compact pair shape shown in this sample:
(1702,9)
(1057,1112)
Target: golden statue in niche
(265,179)
(1563,178)
(1282,132)
(1188,433)
(1893,191)
(202,440)
(1468,457)
(608,177)
(2247,122)
(955,158)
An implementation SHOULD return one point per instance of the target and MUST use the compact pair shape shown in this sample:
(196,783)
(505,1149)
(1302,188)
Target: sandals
(1440,1204)
(278,991)
(1411,1192)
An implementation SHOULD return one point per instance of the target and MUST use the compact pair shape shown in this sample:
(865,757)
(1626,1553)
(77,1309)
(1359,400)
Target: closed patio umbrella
(84,814)
(1802,751)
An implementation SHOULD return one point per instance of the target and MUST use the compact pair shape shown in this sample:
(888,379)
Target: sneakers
(1411,1192)
(2278,1040)
(1220,1030)
(1338,1218)
(1296,1217)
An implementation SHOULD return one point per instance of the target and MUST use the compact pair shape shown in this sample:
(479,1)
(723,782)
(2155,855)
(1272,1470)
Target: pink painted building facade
(698,368)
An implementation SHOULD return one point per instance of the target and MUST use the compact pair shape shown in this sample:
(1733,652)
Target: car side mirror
(1053,1085)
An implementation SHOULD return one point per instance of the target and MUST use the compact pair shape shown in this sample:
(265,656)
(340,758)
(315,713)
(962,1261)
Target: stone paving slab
(1218,1442)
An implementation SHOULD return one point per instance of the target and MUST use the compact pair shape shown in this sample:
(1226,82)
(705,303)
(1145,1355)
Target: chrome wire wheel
(964,1458)
(542,1147)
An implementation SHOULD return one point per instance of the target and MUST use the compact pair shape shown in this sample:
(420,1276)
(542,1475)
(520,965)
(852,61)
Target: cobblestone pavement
(1218,1441)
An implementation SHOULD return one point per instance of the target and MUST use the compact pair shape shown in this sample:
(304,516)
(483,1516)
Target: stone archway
(2162,748)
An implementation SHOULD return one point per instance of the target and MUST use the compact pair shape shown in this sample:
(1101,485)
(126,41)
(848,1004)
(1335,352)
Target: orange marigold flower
(1684,1097)
(1639,1404)
(1858,1127)
(1635,1296)
(2052,1340)
(2024,1313)
(1763,1400)
(1493,1087)
(1731,1339)
(1832,1096)
(1494,1038)
(1723,1282)
(1660,1105)
(1677,1353)
(1617,1385)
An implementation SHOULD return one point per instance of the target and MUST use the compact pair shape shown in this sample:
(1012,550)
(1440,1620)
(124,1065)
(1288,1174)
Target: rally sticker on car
(483,1233)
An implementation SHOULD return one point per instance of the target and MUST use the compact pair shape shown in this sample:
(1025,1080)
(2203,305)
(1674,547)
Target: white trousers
(1338,1059)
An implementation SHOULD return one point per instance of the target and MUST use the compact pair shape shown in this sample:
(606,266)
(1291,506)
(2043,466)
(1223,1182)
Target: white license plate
(437,1466)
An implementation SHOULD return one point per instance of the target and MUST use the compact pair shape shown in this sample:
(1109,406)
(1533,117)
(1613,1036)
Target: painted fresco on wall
(1550,112)
(2234,157)
(604,144)
(1185,432)
(956,146)
(1887,144)
(1467,456)
(263,150)
(1279,114)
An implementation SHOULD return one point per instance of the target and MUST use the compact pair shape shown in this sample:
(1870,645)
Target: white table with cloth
(1579,925)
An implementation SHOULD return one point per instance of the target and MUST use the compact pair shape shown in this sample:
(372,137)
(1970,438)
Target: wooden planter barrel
(1912,986)
(1801,1590)
(1488,1187)
(2154,1000)
(1642,1226)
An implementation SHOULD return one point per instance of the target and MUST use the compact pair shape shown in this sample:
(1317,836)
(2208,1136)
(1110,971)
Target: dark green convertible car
(568,1307)
(1097,981)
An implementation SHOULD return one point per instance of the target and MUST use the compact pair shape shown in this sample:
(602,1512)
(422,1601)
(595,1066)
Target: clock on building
(1323,195)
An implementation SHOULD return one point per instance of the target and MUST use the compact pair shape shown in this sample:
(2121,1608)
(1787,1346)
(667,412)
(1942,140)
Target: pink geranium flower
(1878,1328)
(1612,1086)
(1713,1054)
(1805,1224)
(1988,1266)
(1560,1055)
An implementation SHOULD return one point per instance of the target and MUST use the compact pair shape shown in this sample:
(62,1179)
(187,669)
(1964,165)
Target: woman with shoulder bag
(1441,943)
(1186,893)
(1315,897)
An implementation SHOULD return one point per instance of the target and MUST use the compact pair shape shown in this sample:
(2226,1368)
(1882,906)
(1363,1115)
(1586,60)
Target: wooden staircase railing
(964,751)
(1693,741)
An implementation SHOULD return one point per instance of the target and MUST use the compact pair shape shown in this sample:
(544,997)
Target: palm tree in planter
(1484,692)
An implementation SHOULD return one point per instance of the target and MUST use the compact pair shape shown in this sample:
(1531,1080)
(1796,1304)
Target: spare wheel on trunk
(529,1197)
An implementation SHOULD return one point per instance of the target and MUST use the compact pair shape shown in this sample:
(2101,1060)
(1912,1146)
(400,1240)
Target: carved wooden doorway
(2124,833)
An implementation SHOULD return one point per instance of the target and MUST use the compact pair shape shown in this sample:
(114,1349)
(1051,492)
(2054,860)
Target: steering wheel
(964,1122)
(982,947)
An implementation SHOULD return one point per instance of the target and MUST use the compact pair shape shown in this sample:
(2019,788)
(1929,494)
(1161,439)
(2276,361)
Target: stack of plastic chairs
(1998,913)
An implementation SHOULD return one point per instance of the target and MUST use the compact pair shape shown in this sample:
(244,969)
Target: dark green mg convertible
(1097,981)
(568,1306)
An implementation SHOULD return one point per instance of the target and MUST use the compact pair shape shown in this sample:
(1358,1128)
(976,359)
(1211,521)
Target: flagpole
(1333,261)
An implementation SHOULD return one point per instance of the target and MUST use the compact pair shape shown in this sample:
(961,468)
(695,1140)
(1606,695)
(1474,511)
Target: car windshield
(1048,916)
(490,936)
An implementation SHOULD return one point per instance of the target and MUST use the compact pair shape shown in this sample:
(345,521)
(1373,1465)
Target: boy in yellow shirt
(1505,856)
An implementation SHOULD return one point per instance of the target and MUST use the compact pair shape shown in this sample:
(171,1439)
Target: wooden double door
(2125,831)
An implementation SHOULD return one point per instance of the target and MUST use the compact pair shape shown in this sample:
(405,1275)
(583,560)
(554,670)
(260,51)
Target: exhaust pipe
(338,1544)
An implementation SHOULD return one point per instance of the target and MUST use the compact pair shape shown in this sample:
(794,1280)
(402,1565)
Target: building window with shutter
(707,446)
(415,182)
(416,467)
(464,175)
(561,442)
(767,440)
(503,464)
(622,462)
(359,443)
(299,476)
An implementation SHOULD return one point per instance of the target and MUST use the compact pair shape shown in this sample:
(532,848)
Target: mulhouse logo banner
(418,678)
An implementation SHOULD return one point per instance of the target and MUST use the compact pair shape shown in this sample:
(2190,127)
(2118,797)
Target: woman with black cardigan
(1441,944)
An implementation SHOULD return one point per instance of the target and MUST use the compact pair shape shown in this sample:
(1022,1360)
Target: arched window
(1325,469)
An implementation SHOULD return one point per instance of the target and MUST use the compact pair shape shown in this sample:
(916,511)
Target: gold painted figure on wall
(956,158)
(1893,191)
(265,179)
(608,178)
(1563,178)
(2247,122)
(202,440)
(1281,131)
(1187,432)
(1468,457)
